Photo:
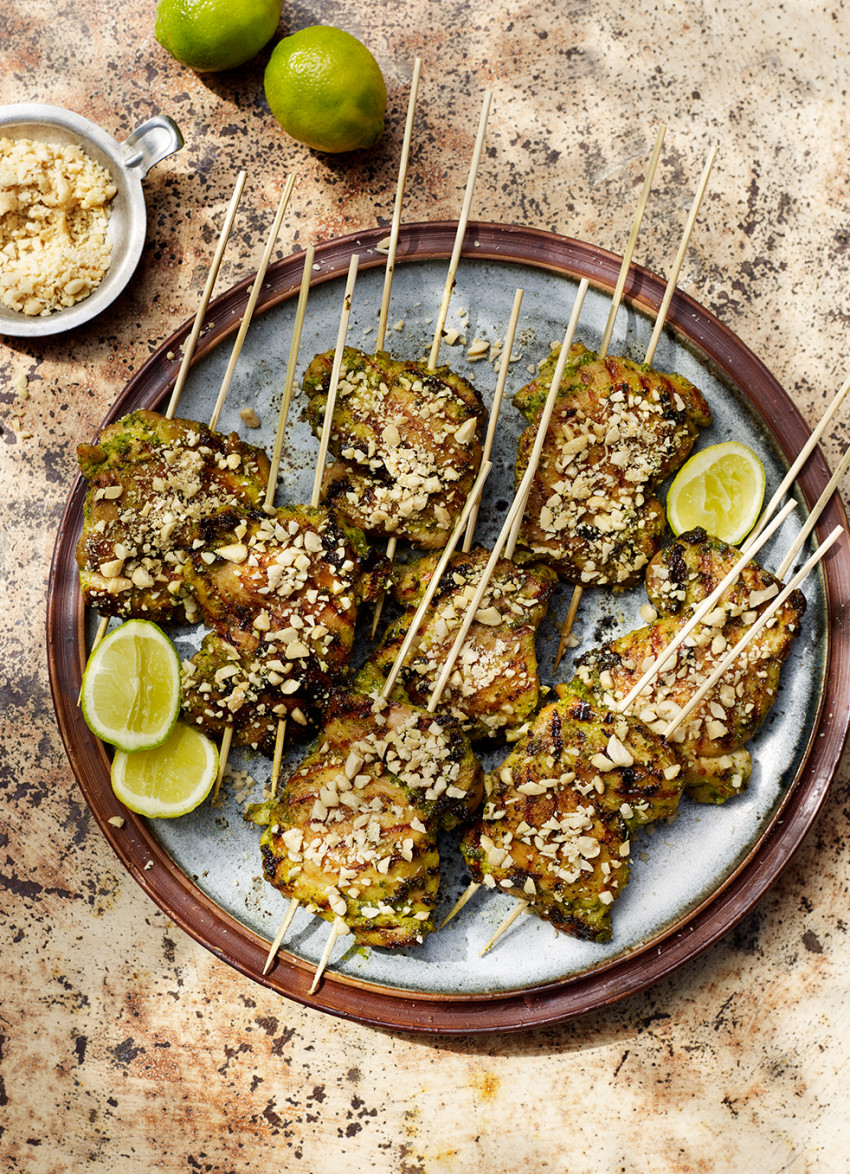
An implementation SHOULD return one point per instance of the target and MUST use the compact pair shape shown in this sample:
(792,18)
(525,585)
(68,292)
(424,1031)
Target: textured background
(126,1047)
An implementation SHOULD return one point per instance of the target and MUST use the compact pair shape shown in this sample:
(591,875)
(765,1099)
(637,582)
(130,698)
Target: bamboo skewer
(753,631)
(392,543)
(461,232)
(802,457)
(223,755)
(192,341)
(495,407)
(812,520)
(702,610)
(632,241)
(294,347)
(338,930)
(661,318)
(281,933)
(673,279)
(572,326)
(333,386)
(252,300)
(399,200)
(227,736)
(519,908)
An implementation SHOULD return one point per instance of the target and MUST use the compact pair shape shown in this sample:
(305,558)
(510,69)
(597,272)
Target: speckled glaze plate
(693,879)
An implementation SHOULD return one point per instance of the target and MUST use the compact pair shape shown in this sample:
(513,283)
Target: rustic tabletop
(125,1045)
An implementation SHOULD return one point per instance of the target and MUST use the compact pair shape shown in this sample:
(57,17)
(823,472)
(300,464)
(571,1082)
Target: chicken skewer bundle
(560,812)
(702,763)
(281,590)
(281,593)
(153,483)
(408,443)
(558,521)
(618,431)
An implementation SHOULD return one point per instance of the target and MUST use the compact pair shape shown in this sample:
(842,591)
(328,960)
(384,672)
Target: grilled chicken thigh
(281,592)
(354,832)
(711,741)
(407,442)
(152,484)
(561,809)
(494,687)
(617,431)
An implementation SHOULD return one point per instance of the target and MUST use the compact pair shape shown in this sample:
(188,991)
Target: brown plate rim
(466,1014)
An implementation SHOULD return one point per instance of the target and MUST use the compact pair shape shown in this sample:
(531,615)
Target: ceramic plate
(692,879)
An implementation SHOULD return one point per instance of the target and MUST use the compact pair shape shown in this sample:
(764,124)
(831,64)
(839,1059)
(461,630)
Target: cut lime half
(170,780)
(720,489)
(131,687)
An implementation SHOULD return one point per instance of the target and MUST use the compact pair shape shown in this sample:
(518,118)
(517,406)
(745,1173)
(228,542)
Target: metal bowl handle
(150,143)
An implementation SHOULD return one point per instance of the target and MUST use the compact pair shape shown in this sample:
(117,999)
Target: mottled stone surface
(124,1046)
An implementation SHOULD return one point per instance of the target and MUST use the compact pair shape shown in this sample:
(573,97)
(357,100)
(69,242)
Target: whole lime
(326,90)
(210,35)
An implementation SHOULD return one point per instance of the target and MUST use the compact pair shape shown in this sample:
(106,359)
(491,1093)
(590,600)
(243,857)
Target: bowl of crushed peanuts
(72,214)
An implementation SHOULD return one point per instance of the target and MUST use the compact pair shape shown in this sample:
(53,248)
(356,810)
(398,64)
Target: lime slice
(720,489)
(169,780)
(131,687)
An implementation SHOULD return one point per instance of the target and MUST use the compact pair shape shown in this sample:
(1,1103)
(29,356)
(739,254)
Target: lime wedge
(131,687)
(720,489)
(169,780)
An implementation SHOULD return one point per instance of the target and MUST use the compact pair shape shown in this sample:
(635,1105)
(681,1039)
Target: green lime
(131,687)
(210,35)
(170,780)
(325,89)
(720,489)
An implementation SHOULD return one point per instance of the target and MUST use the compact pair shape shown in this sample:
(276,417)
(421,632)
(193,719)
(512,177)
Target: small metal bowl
(127,163)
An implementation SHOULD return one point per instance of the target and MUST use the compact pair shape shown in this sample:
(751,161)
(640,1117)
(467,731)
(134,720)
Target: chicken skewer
(192,341)
(759,625)
(385,693)
(392,542)
(703,609)
(227,734)
(651,348)
(227,737)
(811,521)
(271,485)
(753,544)
(496,685)
(153,481)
